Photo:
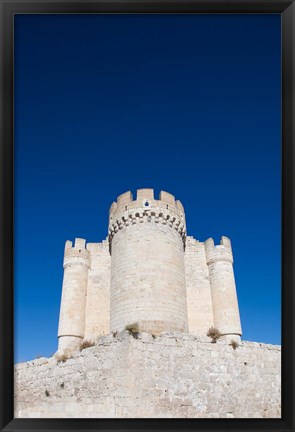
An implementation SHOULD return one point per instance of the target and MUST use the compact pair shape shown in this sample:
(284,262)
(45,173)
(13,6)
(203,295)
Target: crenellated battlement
(152,215)
(103,246)
(145,200)
(191,242)
(221,252)
(146,208)
(77,254)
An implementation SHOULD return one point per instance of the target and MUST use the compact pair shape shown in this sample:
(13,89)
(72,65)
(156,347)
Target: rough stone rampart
(174,375)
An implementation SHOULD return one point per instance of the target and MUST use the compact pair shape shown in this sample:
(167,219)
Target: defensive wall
(174,375)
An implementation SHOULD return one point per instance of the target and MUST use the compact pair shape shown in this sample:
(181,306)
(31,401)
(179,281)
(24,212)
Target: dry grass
(234,344)
(214,334)
(133,329)
(86,344)
(62,358)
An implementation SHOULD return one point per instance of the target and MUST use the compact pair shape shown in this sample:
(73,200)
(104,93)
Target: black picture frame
(11,7)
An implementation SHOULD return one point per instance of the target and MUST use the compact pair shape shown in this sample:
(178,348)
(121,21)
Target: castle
(149,272)
(174,288)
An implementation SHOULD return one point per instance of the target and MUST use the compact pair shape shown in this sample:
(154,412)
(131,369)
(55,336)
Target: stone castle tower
(149,272)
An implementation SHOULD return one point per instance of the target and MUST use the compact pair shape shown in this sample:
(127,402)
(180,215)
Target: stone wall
(98,291)
(173,375)
(198,288)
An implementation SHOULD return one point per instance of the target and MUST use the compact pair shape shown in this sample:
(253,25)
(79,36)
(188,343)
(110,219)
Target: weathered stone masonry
(173,375)
(150,272)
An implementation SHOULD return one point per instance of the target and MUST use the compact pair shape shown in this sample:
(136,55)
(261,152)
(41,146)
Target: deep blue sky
(108,103)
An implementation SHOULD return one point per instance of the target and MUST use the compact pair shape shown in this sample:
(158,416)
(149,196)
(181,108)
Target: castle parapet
(145,200)
(145,208)
(221,252)
(77,254)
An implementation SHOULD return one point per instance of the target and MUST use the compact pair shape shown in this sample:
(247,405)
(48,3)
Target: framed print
(147,215)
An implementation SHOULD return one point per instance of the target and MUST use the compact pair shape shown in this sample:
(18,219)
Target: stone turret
(74,290)
(147,242)
(223,288)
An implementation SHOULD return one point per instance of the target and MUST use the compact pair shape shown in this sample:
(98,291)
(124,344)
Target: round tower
(147,240)
(74,290)
(223,289)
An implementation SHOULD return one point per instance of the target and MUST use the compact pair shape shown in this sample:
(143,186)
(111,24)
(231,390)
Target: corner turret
(74,289)
(223,288)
